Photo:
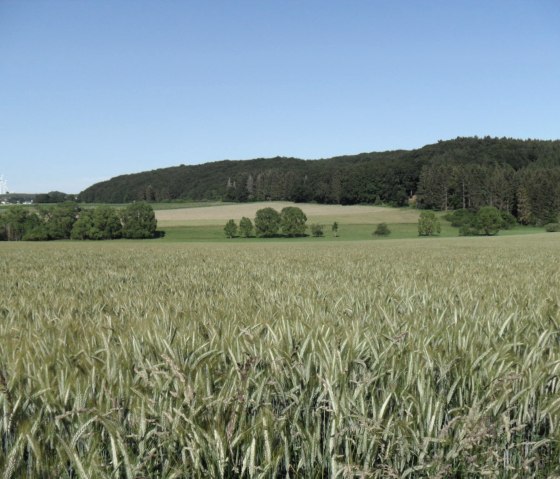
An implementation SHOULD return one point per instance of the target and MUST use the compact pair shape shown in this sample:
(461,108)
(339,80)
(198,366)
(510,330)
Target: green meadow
(184,222)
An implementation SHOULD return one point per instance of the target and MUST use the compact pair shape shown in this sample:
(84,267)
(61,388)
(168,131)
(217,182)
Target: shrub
(460,217)
(382,230)
(508,220)
(552,227)
(428,224)
(489,220)
(38,233)
(317,230)
(468,230)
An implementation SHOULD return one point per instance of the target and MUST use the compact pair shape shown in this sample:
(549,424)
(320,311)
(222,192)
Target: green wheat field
(434,357)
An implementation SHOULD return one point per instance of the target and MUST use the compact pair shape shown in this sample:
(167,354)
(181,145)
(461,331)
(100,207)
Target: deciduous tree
(230,229)
(292,221)
(246,227)
(138,221)
(267,222)
(428,224)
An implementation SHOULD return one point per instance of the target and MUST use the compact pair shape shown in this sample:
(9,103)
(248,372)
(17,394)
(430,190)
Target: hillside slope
(465,172)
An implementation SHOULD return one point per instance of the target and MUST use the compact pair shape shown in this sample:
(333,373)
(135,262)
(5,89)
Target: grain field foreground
(416,358)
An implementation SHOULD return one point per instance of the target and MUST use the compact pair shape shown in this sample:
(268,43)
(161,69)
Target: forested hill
(514,175)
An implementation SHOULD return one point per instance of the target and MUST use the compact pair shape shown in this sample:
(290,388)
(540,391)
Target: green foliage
(60,219)
(246,227)
(382,230)
(469,229)
(138,221)
(267,222)
(66,220)
(53,197)
(552,227)
(38,232)
(16,221)
(101,223)
(488,220)
(317,230)
(292,221)
(521,177)
(230,229)
(83,226)
(428,224)
(508,220)
(334,229)
(19,223)
(460,217)
(106,223)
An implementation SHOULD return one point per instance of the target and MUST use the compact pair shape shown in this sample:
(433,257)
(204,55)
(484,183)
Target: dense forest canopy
(518,176)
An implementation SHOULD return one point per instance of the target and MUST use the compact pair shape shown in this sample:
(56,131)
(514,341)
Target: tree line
(290,222)
(69,221)
(517,176)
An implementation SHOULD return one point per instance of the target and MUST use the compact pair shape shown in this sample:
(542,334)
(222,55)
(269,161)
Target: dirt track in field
(356,214)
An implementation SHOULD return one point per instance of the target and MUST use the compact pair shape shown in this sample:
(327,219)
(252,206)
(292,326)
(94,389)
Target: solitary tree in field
(292,220)
(428,224)
(246,227)
(230,229)
(334,229)
(267,222)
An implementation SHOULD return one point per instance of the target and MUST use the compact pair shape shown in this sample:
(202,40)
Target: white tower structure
(3,186)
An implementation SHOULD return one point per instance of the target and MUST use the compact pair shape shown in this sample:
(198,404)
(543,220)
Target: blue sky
(94,89)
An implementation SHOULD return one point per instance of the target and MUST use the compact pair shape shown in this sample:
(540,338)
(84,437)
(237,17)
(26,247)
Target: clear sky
(94,89)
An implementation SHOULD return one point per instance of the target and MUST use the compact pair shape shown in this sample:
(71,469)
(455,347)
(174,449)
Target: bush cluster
(486,221)
(268,223)
(69,221)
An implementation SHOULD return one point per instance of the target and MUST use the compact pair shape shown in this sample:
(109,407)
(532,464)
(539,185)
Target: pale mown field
(356,214)
(414,358)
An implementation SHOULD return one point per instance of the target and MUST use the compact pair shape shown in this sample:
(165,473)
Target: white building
(3,186)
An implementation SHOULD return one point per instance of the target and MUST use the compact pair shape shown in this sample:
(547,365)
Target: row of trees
(290,222)
(53,197)
(69,221)
(531,194)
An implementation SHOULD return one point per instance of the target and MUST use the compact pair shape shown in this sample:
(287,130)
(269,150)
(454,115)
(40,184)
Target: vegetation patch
(257,360)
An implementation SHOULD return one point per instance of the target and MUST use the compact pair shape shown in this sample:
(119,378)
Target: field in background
(417,358)
(356,222)
(324,214)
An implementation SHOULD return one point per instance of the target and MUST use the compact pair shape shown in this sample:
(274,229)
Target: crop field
(377,359)
(316,213)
